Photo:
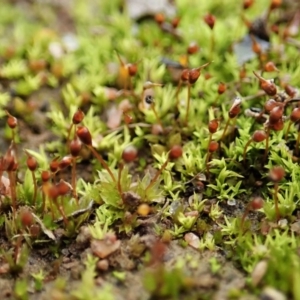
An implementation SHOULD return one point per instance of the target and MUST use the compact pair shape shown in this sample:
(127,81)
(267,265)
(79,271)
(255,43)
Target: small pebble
(259,272)
(103,265)
(270,293)
(283,223)
(231,202)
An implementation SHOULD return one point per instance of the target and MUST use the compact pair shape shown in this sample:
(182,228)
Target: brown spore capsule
(130,153)
(213,126)
(213,146)
(75,147)
(84,135)
(194,75)
(192,48)
(32,163)
(175,152)
(276,114)
(65,162)
(295,115)
(210,20)
(45,176)
(270,104)
(259,136)
(54,165)
(132,69)
(257,203)
(78,117)
(221,88)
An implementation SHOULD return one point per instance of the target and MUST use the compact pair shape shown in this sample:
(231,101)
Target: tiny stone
(99,281)
(103,265)
(84,235)
(270,293)
(192,239)
(66,260)
(174,207)
(65,252)
(259,272)
(201,177)
(71,265)
(283,223)
(296,227)
(231,202)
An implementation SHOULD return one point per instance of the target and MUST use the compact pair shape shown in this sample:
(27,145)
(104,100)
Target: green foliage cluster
(201,190)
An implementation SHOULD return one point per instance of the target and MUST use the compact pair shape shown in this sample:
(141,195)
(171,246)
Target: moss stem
(103,163)
(188,104)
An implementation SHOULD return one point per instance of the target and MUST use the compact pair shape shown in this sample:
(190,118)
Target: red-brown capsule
(75,147)
(291,91)
(210,20)
(221,88)
(15,166)
(185,75)
(12,122)
(35,230)
(270,104)
(213,126)
(130,153)
(54,165)
(276,114)
(37,65)
(267,85)
(159,18)
(256,48)
(175,22)
(45,176)
(65,162)
(26,218)
(235,108)
(132,69)
(277,173)
(32,163)
(175,152)
(207,76)
(78,117)
(275,28)
(295,115)
(247,4)
(53,192)
(7,163)
(242,73)
(270,67)
(192,48)
(275,4)
(259,136)
(63,188)
(277,126)
(84,135)
(9,160)
(127,118)
(213,146)
(194,75)
(257,203)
